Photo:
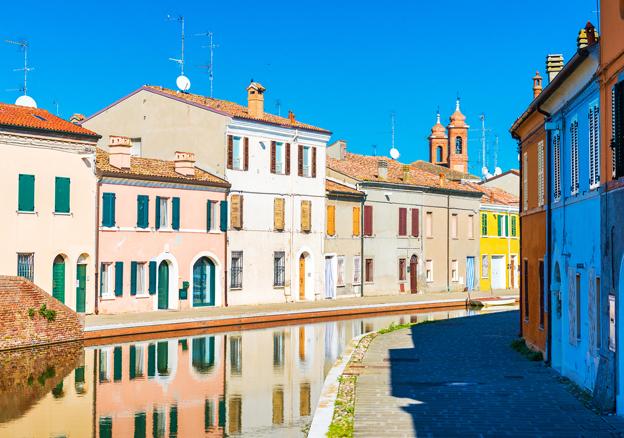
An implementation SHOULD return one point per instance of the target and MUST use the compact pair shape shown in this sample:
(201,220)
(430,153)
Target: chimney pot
(76,118)
(343,149)
(537,84)
(382,168)
(406,172)
(255,99)
(554,64)
(185,163)
(119,149)
(291,116)
(442,179)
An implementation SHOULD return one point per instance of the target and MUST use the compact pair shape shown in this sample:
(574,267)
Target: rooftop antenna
(394,152)
(24,100)
(182,81)
(374,150)
(483,153)
(278,106)
(56,104)
(496,151)
(211,45)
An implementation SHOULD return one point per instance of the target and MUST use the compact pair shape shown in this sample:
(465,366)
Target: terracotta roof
(437,169)
(365,168)
(495,195)
(144,168)
(40,119)
(233,109)
(333,186)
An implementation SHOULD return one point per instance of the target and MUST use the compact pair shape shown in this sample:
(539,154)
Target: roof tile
(37,118)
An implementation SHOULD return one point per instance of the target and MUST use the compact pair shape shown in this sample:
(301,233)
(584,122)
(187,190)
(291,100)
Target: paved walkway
(460,377)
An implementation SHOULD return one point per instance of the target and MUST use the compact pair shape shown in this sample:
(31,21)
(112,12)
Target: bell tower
(458,141)
(438,144)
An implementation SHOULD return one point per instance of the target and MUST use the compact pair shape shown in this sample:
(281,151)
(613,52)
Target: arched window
(458,145)
(439,154)
(58,278)
(203,358)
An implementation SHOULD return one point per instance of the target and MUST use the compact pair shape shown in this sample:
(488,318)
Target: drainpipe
(362,245)
(96,274)
(548,237)
(515,136)
(448,241)
(225,261)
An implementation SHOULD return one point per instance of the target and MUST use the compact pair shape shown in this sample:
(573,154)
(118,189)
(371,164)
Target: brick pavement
(460,377)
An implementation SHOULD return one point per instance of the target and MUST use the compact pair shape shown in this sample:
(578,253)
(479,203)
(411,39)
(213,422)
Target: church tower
(438,144)
(458,141)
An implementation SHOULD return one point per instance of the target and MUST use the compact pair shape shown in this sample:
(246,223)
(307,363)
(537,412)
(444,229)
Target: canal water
(255,383)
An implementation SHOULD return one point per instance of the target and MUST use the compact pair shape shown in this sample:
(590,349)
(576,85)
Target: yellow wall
(506,245)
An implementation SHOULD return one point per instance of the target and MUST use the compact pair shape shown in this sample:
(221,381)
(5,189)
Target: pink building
(162,232)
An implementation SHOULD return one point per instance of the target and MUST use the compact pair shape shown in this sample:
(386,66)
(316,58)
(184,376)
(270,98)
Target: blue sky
(345,66)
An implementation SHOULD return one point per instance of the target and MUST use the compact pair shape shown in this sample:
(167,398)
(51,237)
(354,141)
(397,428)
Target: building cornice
(45,142)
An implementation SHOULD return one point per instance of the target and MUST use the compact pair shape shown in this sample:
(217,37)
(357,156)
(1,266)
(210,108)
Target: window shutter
(287,158)
(331,220)
(356,221)
(101,278)
(313,162)
(230,152)
(273,146)
(415,222)
(208,215)
(133,278)
(368,220)
(402,221)
(26,193)
(152,278)
(223,216)
(246,153)
(132,363)
(61,194)
(300,161)
(151,360)
(278,214)
(117,364)
(157,212)
(236,211)
(175,217)
(118,279)
(618,131)
(305,216)
(142,211)
(108,209)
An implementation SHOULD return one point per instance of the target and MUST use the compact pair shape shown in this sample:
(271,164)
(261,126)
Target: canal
(258,382)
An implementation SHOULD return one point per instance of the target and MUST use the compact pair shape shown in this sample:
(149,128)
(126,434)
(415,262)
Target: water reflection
(255,383)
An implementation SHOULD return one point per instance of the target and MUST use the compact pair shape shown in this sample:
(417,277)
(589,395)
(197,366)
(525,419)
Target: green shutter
(208,215)
(118,279)
(117,364)
(142,211)
(173,421)
(499,220)
(132,363)
(157,212)
(139,425)
(152,278)
(224,216)
(79,375)
(221,412)
(151,360)
(133,278)
(163,358)
(175,216)
(26,193)
(106,427)
(61,195)
(108,209)
(484,224)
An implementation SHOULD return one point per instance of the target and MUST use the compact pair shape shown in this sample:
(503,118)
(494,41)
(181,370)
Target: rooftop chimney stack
(537,84)
(587,36)
(119,151)
(291,117)
(343,149)
(442,180)
(406,172)
(255,99)
(554,64)
(77,118)
(382,168)
(185,163)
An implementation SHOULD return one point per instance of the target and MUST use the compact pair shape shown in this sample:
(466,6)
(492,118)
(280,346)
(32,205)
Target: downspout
(96,275)
(362,245)
(515,136)
(448,241)
(225,261)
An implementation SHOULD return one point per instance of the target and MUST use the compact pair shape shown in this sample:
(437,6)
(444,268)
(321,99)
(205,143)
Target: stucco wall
(494,245)
(509,182)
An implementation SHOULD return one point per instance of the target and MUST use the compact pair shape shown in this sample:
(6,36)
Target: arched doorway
(163,285)
(203,356)
(81,283)
(413,274)
(204,282)
(58,278)
(302,277)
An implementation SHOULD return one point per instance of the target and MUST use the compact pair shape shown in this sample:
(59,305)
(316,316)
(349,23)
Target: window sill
(103,228)
(107,297)
(60,213)
(142,230)
(341,285)
(142,296)
(278,287)
(26,212)
(166,230)
(236,288)
(429,281)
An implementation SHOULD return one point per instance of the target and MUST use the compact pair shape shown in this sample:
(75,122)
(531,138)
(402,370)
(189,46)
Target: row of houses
(171,200)
(571,140)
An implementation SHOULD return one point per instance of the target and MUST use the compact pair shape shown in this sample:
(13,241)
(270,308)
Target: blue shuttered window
(175,214)
(118,279)
(26,193)
(108,209)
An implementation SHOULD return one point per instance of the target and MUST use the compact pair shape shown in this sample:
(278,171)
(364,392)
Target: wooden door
(302,273)
(512,272)
(81,287)
(58,279)
(413,274)
(163,285)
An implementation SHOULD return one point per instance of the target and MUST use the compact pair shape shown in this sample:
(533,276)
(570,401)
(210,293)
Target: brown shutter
(278,214)
(356,221)
(273,157)
(287,158)
(246,151)
(306,216)
(236,211)
(368,220)
(300,161)
(331,220)
(415,223)
(230,152)
(313,162)
(402,221)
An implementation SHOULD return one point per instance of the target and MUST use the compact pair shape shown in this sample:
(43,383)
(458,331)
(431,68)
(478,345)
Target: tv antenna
(24,100)
(483,152)
(182,81)
(394,152)
(56,104)
(278,106)
(211,45)
(374,150)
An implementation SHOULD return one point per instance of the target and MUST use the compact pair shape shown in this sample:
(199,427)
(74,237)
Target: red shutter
(415,223)
(272,157)
(246,147)
(402,221)
(368,220)
(230,152)
(313,162)
(300,161)
(287,158)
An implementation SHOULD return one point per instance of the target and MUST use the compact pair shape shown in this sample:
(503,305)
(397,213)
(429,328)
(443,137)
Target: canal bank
(107,326)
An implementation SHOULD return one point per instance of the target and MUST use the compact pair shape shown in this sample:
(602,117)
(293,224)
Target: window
(525,276)
(594,145)
(108,209)
(485,266)
(26,265)
(525,182)
(556,144)
(484,224)
(307,168)
(439,154)
(340,263)
(140,426)
(278,214)
(617,128)
(402,273)
(368,220)
(106,427)
(212,210)
(368,270)
(306,216)
(142,211)
(236,354)
(356,221)
(137,279)
(331,220)
(415,223)
(574,159)
(471,226)
(279,268)
(501,222)
(541,294)
(236,211)
(429,224)
(278,349)
(104,365)
(26,193)
(136,147)
(458,145)
(454,270)
(61,195)
(162,212)
(578,307)
(106,281)
(136,361)
(514,226)
(280,161)
(307,161)
(429,270)
(402,221)
(278,405)
(237,153)
(357,268)
(236,269)
(540,173)
(454,220)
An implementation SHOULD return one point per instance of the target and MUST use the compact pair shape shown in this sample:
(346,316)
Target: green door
(81,287)
(204,282)
(58,279)
(163,285)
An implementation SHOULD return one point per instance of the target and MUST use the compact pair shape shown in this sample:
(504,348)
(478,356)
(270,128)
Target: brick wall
(18,329)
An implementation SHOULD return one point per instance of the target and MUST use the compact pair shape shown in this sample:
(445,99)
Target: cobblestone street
(461,377)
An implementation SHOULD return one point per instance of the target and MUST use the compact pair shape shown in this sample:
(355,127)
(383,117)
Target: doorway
(513,277)
(302,275)
(163,285)
(58,278)
(413,268)
(204,282)
(330,280)
(498,272)
(81,287)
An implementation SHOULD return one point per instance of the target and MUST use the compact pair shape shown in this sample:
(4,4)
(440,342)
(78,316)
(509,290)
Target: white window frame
(137,147)
(280,157)
(238,153)
(454,271)
(540,173)
(240,256)
(429,270)
(141,283)
(471,226)
(105,352)
(307,157)
(164,213)
(594,145)
(107,281)
(341,270)
(357,270)
(574,157)
(454,225)
(485,266)
(139,360)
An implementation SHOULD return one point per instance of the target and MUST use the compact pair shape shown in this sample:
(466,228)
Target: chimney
(255,99)
(382,168)
(587,36)
(537,84)
(291,117)
(77,118)
(184,163)
(343,149)
(554,64)
(442,180)
(119,151)
(406,172)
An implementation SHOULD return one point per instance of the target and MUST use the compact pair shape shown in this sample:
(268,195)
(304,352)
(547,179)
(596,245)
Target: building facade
(449,146)
(49,211)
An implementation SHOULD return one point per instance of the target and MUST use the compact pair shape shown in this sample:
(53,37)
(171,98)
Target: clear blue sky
(344,65)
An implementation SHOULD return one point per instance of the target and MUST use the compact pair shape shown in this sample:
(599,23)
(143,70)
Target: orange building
(450,150)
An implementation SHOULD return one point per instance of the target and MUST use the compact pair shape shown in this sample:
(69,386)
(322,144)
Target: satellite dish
(498,171)
(26,101)
(394,153)
(488,176)
(484,171)
(183,83)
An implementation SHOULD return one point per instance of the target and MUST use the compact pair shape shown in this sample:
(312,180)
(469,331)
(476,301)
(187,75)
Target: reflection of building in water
(163,388)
